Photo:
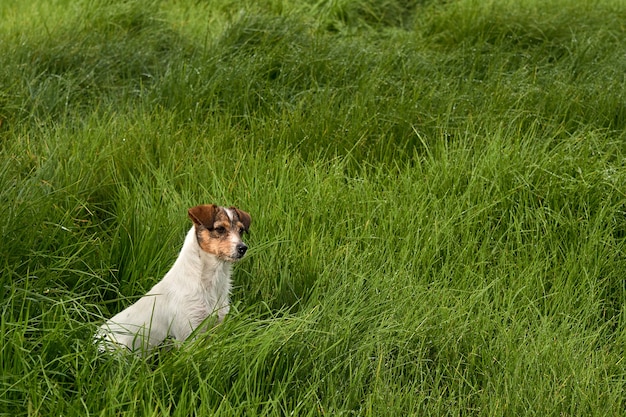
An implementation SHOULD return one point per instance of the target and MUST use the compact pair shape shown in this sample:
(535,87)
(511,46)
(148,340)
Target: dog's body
(196,287)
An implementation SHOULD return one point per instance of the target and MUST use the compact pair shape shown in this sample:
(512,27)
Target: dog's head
(219,230)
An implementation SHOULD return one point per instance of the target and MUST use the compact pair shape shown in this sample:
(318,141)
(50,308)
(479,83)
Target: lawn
(437,191)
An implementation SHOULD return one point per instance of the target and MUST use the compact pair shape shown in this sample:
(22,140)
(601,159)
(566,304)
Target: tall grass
(437,193)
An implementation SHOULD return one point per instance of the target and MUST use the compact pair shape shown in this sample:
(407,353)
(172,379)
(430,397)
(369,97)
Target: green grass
(438,194)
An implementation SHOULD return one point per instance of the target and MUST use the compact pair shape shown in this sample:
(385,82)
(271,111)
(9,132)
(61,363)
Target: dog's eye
(242,230)
(220,229)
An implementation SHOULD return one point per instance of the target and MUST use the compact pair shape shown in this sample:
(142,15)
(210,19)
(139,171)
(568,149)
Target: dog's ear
(203,215)
(244,217)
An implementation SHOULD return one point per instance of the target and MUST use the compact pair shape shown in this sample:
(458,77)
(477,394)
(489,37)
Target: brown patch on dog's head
(243,217)
(219,230)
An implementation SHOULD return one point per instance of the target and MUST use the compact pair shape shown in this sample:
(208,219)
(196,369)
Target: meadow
(437,189)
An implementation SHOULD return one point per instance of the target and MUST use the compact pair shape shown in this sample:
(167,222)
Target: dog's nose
(241,249)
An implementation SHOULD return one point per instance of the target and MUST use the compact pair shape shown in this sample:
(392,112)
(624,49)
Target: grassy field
(438,194)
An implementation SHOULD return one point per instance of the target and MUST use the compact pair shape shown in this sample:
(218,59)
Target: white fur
(197,286)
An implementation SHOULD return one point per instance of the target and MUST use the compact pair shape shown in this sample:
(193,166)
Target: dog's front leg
(222,310)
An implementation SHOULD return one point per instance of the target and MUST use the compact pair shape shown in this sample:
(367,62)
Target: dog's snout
(241,249)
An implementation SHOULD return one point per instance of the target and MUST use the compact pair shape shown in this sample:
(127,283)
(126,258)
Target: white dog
(196,287)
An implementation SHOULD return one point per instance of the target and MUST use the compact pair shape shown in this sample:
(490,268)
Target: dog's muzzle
(241,250)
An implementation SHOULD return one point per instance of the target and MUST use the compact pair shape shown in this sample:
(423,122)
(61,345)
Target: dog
(196,287)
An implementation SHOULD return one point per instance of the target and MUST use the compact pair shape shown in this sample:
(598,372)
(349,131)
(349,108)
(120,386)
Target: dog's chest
(215,283)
